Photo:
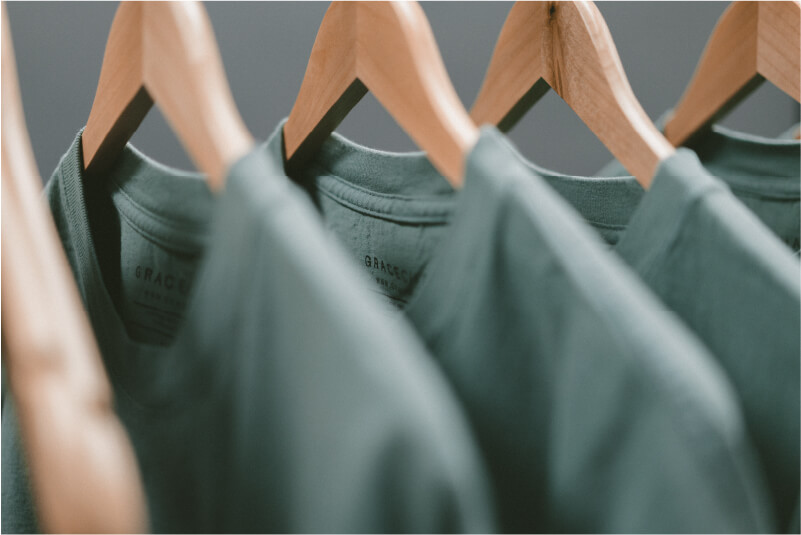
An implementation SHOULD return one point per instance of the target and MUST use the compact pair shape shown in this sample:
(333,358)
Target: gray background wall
(265,46)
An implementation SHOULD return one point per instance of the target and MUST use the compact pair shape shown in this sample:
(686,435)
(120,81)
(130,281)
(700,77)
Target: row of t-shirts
(358,347)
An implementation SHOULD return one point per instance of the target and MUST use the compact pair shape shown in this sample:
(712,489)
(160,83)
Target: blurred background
(265,46)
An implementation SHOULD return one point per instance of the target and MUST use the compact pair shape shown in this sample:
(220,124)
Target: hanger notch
(165,53)
(567,46)
(752,42)
(387,48)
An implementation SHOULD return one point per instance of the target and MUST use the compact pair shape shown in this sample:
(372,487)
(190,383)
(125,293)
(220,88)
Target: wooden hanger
(389,49)
(567,46)
(752,41)
(165,52)
(82,467)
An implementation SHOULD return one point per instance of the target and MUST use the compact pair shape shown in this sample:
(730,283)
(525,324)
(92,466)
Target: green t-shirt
(262,388)
(722,271)
(594,408)
(764,174)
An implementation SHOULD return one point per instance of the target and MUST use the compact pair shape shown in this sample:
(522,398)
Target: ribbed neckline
(373,182)
(733,157)
(742,160)
(607,202)
(405,187)
(756,166)
(151,376)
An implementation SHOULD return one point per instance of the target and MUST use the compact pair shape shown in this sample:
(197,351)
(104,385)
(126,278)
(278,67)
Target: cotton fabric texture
(595,409)
(711,259)
(267,395)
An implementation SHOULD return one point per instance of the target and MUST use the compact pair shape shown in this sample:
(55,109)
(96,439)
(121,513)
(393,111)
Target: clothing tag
(394,281)
(157,301)
(393,255)
(155,287)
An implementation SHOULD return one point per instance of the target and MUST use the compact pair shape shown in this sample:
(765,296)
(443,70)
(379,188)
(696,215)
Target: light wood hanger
(752,42)
(567,46)
(83,470)
(165,52)
(389,49)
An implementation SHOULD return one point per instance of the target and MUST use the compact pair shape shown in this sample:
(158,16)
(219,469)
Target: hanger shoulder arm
(330,86)
(165,52)
(120,102)
(726,73)
(183,72)
(517,66)
(399,62)
(56,376)
(589,76)
(778,49)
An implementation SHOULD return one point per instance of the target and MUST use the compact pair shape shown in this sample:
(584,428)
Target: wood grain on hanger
(567,47)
